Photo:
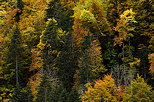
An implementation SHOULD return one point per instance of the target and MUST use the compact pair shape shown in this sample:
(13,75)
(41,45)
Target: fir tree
(13,58)
(90,63)
(67,63)
(44,90)
(51,45)
(55,10)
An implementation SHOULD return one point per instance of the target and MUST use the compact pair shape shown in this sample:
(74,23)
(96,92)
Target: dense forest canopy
(76,51)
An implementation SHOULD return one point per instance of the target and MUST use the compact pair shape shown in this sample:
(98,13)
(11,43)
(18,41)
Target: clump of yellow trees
(105,90)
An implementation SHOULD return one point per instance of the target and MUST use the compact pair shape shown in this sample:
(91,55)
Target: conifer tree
(50,46)
(14,58)
(90,62)
(13,64)
(55,10)
(67,62)
(44,90)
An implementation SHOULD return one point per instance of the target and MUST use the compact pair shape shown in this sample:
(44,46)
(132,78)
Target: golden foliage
(37,63)
(151,60)
(68,3)
(123,26)
(103,90)
(79,32)
(34,82)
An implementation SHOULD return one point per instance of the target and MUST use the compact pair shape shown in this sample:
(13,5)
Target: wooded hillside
(76,51)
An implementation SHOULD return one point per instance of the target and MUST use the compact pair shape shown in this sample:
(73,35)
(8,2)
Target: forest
(76,51)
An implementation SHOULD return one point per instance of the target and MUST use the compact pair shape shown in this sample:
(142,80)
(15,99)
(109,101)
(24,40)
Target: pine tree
(11,73)
(90,62)
(44,90)
(55,10)
(50,47)
(13,58)
(67,62)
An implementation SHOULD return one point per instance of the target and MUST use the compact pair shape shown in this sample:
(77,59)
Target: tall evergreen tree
(11,73)
(55,10)
(44,90)
(50,45)
(67,63)
(14,58)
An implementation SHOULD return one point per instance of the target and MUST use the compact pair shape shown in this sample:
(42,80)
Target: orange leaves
(34,82)
(36,64)
(151,60)
(79,32)
(124,26)
(68,3)
(103,90)
(37,61)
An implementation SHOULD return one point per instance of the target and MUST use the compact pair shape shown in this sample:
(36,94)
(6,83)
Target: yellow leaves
(138,91)
(51,20)
(151,46)
(3,13)
(151,60)
(103,90)
(6,94)
(68,3)
(1,39)
(87,16)
(34,82)
(81,12)
(41,45)
(135,62)
(128,15)
(124,26)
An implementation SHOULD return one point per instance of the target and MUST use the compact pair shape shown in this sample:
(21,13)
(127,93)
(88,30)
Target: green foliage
(90,62)
(54,10)
(54,91)
(87,16)
(75,42)
(44,90)
(67,62)
(138,91)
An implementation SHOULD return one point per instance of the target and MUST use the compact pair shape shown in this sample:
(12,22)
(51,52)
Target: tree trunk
(17,77)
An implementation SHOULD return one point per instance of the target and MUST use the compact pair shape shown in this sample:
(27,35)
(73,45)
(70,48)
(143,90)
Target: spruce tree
(44,90)
(51,46)
(12,69)
(55,10)
(67,63)
(13,58)
(90,62)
